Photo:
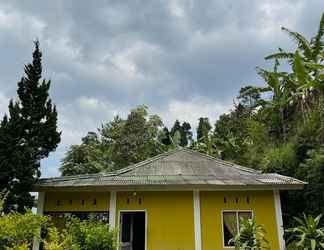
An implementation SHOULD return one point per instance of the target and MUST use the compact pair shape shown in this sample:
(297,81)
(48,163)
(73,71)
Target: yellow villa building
(179,200)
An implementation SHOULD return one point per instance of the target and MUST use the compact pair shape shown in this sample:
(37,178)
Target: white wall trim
(197,222)
(40,211)
(280,228)
(112,209)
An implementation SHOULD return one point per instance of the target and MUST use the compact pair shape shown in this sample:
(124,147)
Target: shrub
(91,234)
(18,230)
(307,234)
(250,236)
(56,240)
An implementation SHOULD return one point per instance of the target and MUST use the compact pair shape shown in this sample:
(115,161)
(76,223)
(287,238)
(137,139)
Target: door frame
(130,211)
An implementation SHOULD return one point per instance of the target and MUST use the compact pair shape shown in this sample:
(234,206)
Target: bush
(251,236)
(307,234)
(91,234)
(56,240)
(17,232)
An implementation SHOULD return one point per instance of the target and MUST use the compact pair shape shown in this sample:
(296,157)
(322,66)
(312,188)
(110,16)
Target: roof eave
(103,188)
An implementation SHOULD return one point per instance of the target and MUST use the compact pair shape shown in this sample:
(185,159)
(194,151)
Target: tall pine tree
(186,134)
(204,128)
(27,135)
(176,127)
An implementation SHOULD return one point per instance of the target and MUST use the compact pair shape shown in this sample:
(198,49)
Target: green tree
(29,133)
(184,130)
(204,128)
(311,50)
(307,64)
(91,156)
(165,137)
(176,127)
(186,134)
(119,143)
(231,134)
(280,127)
(137,139)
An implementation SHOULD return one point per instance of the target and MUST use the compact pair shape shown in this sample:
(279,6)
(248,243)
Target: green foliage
(88,235)
(27,135)
(56,240)
(312,171)
(280,127)
(134,139)
(250,236)
(230,134)
(87,158)
(185,134)
(118,143)
(17,231)
(165,137)
(307,234)
(204,128)
(280,159)
(22,246)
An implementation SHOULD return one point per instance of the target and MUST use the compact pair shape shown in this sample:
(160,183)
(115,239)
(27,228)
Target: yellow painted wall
(102,201)
(212,204)
(170,213)
(170,223)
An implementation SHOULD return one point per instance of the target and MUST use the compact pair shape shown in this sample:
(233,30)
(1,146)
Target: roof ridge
(228,163)
(145,162)
(285,177)
(115,172)
(71,177)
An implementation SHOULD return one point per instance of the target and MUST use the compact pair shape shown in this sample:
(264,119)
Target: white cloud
(183,58)
(21,26)
(4,100)
(192,110)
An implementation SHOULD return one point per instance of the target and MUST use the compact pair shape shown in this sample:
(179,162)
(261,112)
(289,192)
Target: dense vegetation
(275,128)
(122,142)
(279,127)
(18,231)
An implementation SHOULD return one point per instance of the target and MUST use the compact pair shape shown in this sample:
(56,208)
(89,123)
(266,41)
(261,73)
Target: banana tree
(311,51)
(307,234)
(281,90)
(307,64)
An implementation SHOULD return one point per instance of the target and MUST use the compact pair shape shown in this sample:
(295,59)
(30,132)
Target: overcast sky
(182,58)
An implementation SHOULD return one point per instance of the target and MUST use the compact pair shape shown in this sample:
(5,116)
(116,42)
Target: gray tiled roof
(181,168)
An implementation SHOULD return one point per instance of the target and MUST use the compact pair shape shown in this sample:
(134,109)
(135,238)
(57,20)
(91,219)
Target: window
(231,224)
(101,216)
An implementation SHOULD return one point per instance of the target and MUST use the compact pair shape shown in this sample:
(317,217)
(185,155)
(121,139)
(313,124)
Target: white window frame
(132,210)
(236,211)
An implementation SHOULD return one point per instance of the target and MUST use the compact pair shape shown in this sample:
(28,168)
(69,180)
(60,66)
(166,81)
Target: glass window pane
(244,215)
(229,227)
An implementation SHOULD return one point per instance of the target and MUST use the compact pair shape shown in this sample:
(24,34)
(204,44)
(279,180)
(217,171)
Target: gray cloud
(182,58)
